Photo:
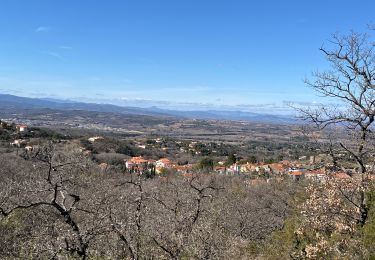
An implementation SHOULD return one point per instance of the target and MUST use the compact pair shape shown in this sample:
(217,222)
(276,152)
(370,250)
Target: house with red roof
(278,168)
(182,168)
(296,175)
(164,163)
(136,161)
(220,169)
(22,128)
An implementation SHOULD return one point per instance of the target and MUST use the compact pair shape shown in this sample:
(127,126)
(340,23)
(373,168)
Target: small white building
(234,169)
(95,138)
(22,128)
(164,163)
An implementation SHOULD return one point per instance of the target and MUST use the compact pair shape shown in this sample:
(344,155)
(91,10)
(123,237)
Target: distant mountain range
(16,103)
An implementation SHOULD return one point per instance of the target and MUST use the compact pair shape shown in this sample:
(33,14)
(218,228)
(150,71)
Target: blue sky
(182,53)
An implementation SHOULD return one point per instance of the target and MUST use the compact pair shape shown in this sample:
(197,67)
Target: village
(313,167)
(258,172)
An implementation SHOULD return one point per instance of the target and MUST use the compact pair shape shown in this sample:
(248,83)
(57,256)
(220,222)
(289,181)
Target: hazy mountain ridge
(16,102)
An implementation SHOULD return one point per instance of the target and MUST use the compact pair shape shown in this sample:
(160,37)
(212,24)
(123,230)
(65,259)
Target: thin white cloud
(41,29)
(54,54)
(64,47)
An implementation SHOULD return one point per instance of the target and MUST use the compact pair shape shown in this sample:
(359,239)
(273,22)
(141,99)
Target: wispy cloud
(64,47)
(54,54)
(301,103)
(8,90)
(41,29)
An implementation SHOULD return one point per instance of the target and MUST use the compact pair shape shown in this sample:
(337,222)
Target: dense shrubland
(55,203)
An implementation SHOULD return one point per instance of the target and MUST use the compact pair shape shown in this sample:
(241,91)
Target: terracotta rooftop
(138,160)
(296,173)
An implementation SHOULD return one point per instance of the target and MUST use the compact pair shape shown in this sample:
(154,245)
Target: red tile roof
(138,160)
(296,173)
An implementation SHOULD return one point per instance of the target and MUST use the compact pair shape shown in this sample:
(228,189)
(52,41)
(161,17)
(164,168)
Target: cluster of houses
(294,170)
(140,164)
(21,143)
(19,129)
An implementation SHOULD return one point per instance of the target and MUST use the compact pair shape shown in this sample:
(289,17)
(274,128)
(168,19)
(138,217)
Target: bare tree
(350,83)
(49,190)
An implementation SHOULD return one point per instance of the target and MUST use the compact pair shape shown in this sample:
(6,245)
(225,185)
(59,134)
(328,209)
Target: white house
(95,138)
(164,162)
(22,128)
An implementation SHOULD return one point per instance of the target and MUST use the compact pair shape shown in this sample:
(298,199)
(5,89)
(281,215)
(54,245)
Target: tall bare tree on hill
(350,83)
